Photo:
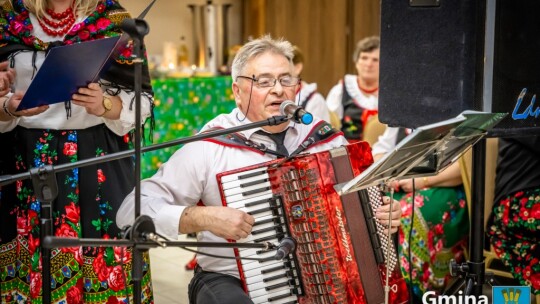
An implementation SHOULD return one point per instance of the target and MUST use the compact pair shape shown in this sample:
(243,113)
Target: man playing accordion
(183,196)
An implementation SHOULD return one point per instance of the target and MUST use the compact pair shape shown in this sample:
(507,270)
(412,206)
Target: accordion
(342,256)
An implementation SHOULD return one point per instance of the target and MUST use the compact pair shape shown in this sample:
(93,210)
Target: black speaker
(441,57)
(430,57)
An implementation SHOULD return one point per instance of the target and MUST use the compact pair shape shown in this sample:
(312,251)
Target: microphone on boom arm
(296,113)
(286,246)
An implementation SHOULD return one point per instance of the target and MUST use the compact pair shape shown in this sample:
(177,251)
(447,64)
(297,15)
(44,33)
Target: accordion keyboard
(271,281)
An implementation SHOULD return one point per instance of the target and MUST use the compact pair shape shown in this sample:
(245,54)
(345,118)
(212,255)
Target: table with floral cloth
(183,106)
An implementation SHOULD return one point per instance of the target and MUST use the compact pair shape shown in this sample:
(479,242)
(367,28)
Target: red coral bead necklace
(59,16)
(66,19)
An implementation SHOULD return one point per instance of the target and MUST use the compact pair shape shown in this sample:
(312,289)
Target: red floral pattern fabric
(78,274)
(514,232)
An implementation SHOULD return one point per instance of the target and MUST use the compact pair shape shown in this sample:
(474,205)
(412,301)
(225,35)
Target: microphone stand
(137,29)
(46,190)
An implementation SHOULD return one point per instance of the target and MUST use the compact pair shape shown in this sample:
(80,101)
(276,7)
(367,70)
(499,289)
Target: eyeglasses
(268,82)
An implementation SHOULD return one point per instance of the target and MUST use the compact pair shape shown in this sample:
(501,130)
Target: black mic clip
(277,120)
(143,230)
(136,28)
(44,182)
(269,246)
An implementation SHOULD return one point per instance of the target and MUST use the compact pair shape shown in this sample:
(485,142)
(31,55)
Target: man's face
(264,102)
(367,65)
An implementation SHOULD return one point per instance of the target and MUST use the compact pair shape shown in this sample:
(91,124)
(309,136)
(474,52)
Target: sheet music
(426,151)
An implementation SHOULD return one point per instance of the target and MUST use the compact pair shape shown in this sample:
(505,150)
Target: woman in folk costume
(98,120)
(356,97)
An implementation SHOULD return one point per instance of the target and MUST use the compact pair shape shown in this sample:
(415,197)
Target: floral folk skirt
(86,205)
(514,232)
(440,228)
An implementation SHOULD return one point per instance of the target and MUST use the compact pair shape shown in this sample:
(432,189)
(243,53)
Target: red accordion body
(341,251)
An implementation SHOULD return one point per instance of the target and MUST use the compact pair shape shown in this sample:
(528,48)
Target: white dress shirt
(189,176)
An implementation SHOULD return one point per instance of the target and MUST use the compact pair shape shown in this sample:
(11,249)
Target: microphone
(294,112)
(286,246)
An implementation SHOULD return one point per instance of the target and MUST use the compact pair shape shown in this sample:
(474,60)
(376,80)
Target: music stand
(426,151)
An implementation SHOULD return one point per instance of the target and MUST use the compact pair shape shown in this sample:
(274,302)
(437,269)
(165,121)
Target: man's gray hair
(257,47)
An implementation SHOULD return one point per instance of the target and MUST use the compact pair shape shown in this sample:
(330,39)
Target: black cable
(299,98)
(226,257)
(219,256)
(411,294)
(249,102)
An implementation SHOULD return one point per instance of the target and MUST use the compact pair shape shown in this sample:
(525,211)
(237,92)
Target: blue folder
(68,68)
